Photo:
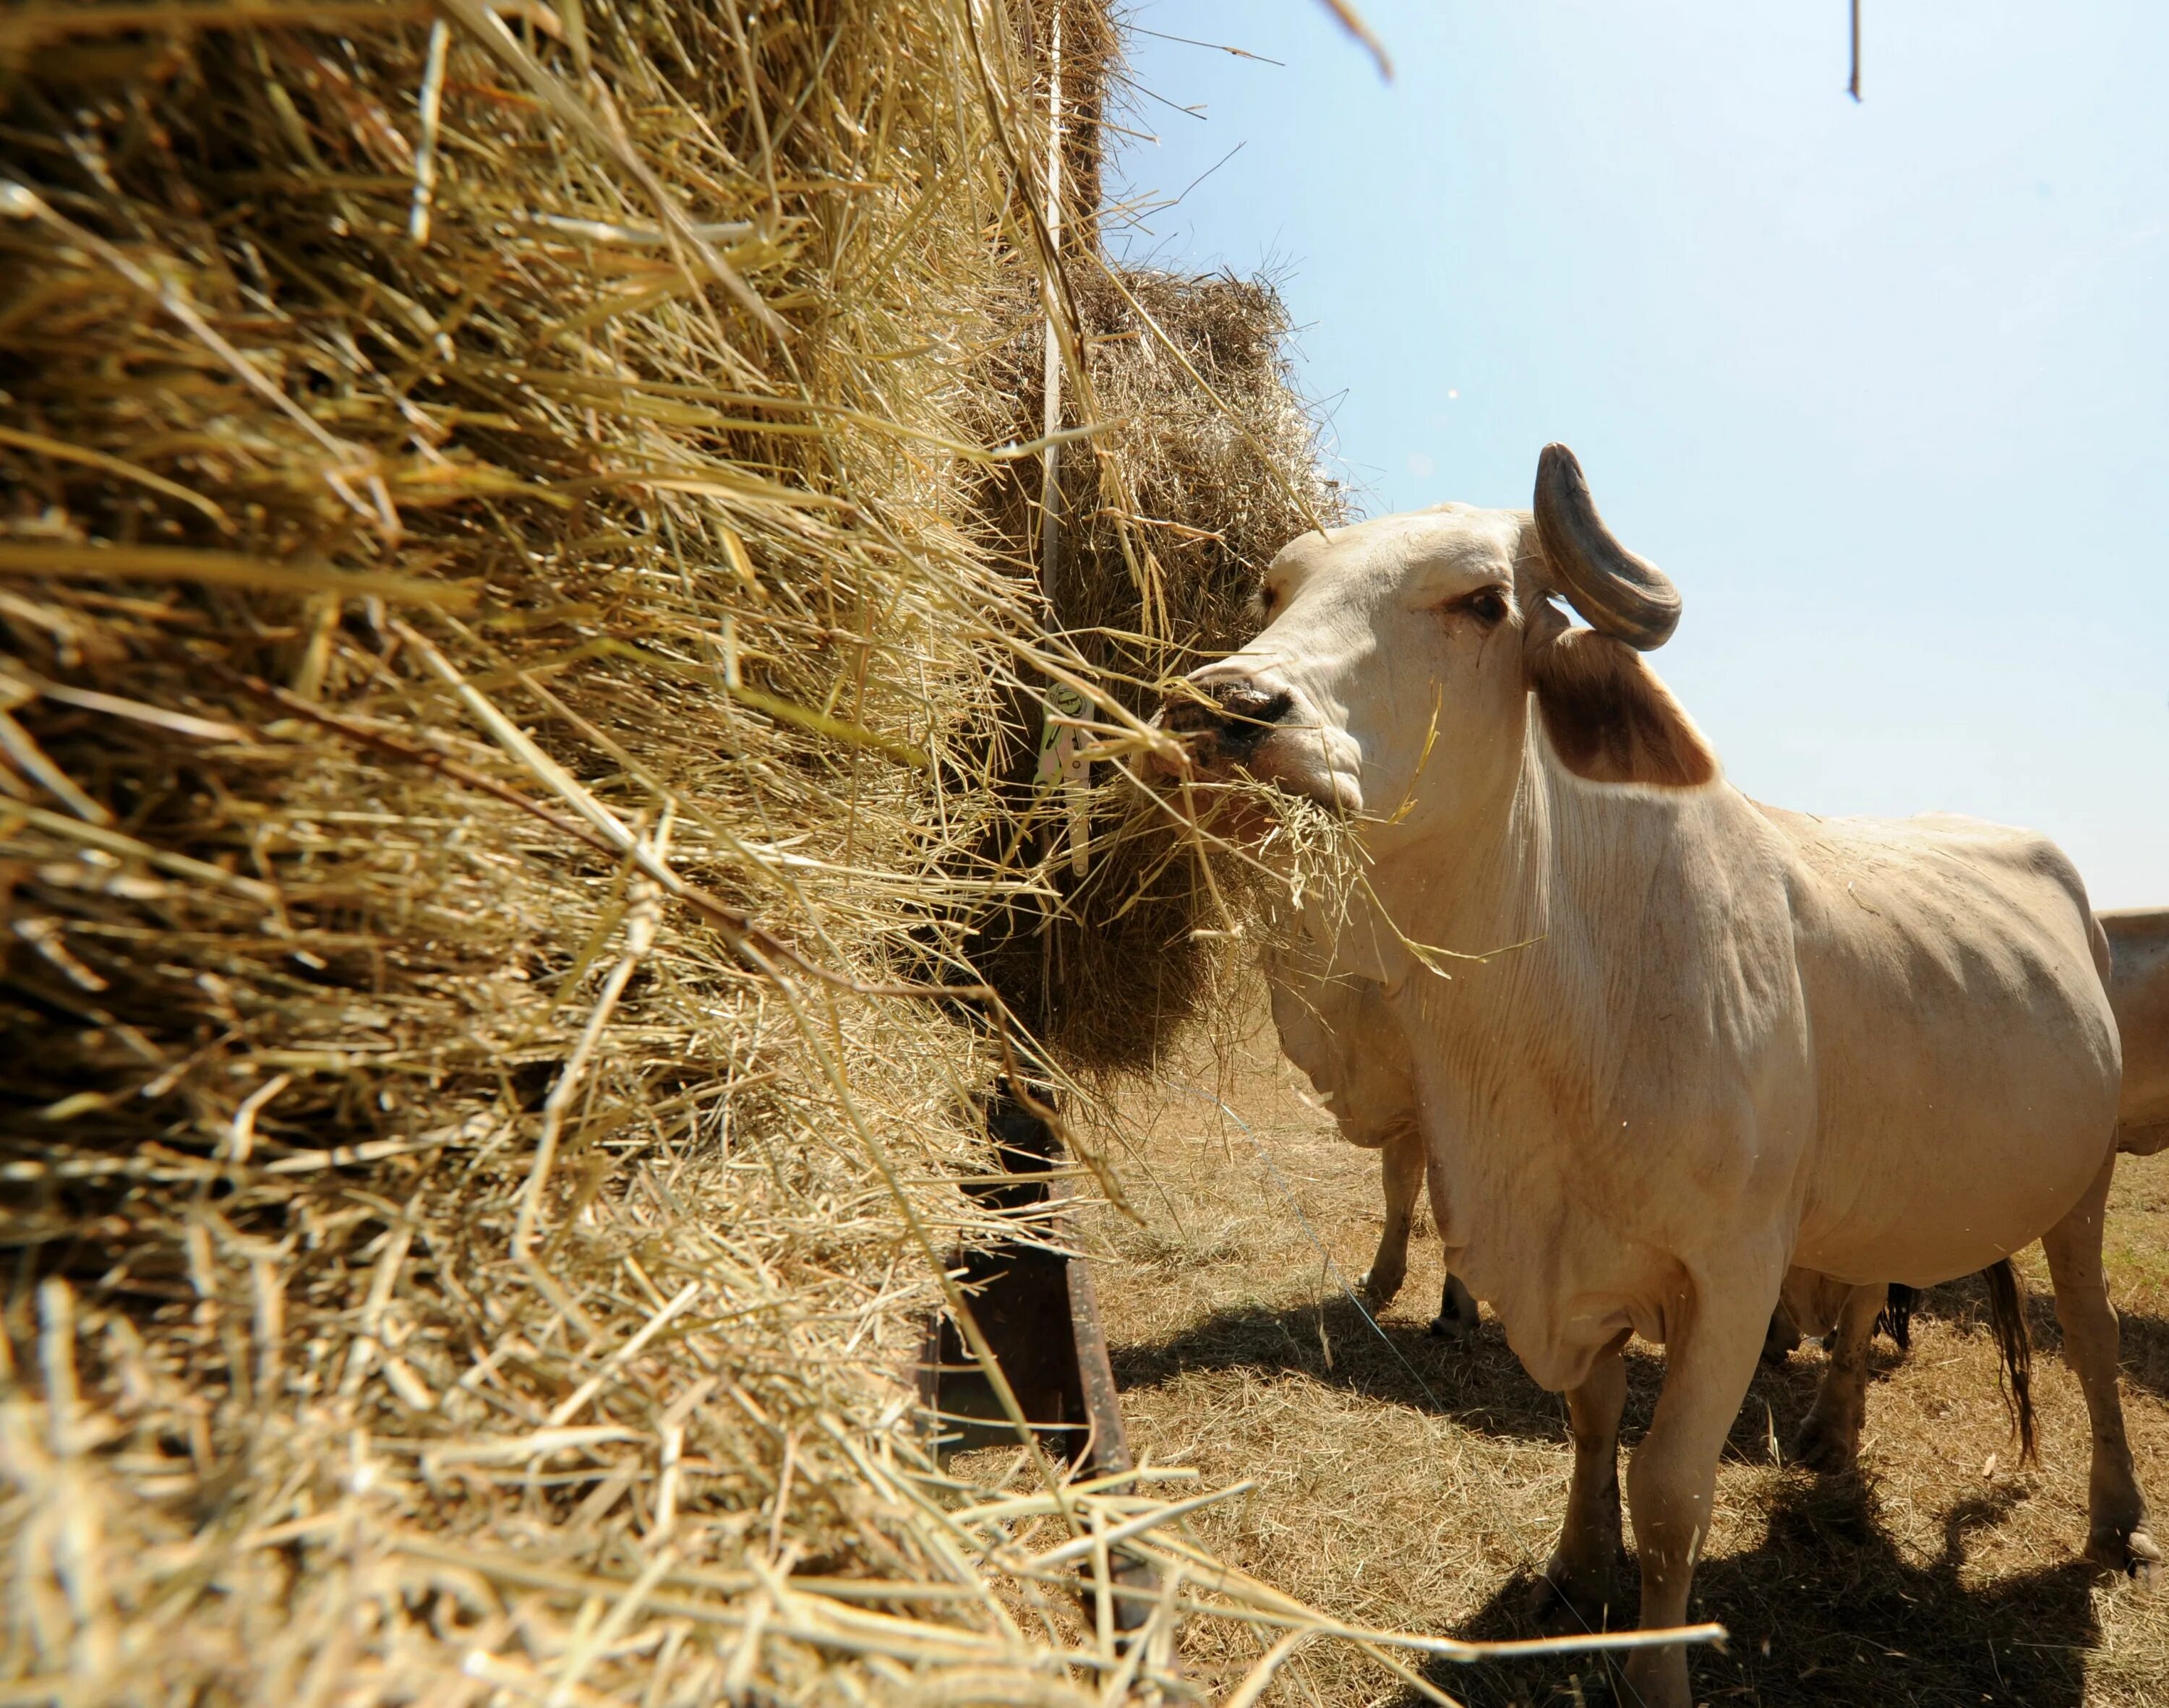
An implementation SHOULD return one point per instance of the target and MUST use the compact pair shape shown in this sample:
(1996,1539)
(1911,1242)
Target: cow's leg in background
(1401,1160)
(1782,1338)
(1582,1577)
(1803,1310)
(2117,1535)
(1457,1315)
(1456,1310)
(1829,1440)
(1712,1347)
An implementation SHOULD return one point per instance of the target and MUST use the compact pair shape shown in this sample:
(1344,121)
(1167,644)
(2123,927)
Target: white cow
(2139,992)
(1739,1040)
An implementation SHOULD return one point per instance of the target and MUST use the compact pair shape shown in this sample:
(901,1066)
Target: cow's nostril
(1225,720)
(1187,714)
(1246,703)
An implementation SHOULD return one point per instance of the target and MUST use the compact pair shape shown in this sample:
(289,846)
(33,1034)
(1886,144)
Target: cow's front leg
(1711,1350)
(2117,1534)
(1829,1440)
(1458,1317)
(1402,1165)
(1581,1583)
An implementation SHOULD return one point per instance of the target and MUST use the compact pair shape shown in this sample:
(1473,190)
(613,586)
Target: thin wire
(1498,1508)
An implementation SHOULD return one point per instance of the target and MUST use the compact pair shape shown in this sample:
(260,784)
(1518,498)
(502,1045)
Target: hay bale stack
(1208,465)
(510,667)
(439,463)
(1221,457)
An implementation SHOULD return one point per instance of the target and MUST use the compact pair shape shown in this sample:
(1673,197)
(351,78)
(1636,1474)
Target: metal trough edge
(1040,1313)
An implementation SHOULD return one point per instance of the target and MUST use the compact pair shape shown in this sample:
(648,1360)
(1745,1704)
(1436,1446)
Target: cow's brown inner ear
(1610,719)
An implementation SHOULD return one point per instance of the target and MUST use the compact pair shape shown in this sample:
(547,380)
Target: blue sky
(1884,387)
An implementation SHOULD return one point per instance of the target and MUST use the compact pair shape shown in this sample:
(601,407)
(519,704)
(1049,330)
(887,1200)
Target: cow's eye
(1487,605)
(1268,600)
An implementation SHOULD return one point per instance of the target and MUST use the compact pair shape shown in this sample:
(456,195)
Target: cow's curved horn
(1621,594)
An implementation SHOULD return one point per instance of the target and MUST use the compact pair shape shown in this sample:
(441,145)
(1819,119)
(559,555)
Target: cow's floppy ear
(1609,718)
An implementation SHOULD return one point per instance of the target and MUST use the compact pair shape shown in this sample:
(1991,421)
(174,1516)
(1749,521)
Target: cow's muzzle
(1221,723)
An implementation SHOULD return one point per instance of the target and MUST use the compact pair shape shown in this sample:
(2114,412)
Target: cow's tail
(2007,1314)
(1897,1319)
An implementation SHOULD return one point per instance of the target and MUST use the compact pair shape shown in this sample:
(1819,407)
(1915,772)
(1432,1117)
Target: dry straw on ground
(513,683)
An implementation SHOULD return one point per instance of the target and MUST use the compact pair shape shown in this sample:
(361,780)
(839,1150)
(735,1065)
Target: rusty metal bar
(1040,1313)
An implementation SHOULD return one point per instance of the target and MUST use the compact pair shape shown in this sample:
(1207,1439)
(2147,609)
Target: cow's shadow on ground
(1824,1610)
(2145,1354)
(1475,1378)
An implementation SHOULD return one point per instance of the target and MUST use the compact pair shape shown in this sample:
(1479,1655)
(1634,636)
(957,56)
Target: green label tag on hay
(1061,736)
(1057,735)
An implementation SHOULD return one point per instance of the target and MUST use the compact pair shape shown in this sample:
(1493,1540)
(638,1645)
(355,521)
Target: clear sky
(1884,387)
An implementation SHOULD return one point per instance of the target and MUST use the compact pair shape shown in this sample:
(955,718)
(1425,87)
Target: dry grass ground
(1419,1485)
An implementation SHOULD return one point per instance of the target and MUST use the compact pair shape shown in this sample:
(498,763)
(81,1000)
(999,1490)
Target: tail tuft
(2006,1313)
(1897,1318)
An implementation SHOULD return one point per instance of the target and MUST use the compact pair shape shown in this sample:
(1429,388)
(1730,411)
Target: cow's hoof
(1567,1603)
(1447,1327)
(1826,1447)
(1378,1289)
(2128,1553)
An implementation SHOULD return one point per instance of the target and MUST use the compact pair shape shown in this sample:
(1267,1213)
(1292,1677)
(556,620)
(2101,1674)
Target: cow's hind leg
(1581,1581)
(2116,1535)
(1710,1353)
(1402,1165)
(1829,1440)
